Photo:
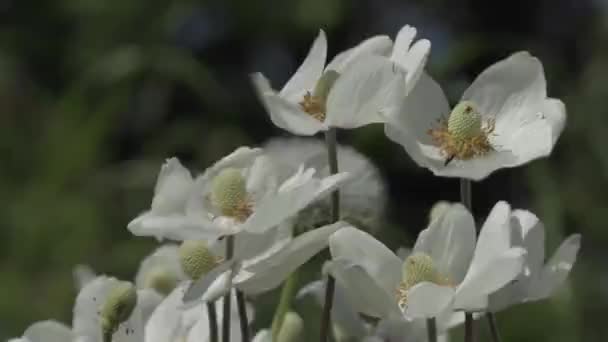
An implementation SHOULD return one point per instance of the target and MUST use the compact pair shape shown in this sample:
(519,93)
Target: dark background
(95,94)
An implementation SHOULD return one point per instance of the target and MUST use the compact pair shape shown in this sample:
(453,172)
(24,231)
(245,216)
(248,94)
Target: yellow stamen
(418,268)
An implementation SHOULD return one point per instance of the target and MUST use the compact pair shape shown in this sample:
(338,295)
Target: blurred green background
(95,94)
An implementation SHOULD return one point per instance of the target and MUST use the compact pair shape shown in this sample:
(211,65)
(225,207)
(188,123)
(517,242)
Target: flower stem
(493,327)
(212,315)
(469,333)
(228,296)
(466,197)
(287,293)
(240,302)
(332,154)
(431,329)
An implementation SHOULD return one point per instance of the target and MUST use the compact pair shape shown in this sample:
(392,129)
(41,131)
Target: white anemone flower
(447,270)
(238,193)
(48,331)
(504,119)
(115,306)
(261,262)
(362,199)
(353,90)
(538,280)
(348,325)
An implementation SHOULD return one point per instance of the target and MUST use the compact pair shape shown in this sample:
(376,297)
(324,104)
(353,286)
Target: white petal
(404,39)
(164,258)
(360,248)
(212,285)
(309,72)
(484,279)
(147,301)
(172,188)
(450,241)
(495,235)
(377,45)
(368,88)
(90,298)
(175,227)
(83,274)
(426,300)
(362,291)
(165,322)
(48,331)
(276,209)
(557,269)
(283,113)
(271,272)
(410,57)
(261,178)
(533,239)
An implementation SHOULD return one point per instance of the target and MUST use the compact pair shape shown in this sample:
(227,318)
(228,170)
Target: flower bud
(229,193)
(464,121)
(196,258)
(291,329)
(117,308)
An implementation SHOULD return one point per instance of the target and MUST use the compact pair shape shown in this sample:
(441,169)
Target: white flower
(504,119)
(262,261)
(47,331)
(410,56)
(238,193)
(353,90)
(362,199)
(92,302)
(538,280)
(446,271)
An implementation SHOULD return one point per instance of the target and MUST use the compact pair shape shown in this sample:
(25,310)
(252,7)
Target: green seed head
(119,305)
(229,192)
(291,329)
(324,85)
(196,258)
(417,268)
(161,280)
(464,121)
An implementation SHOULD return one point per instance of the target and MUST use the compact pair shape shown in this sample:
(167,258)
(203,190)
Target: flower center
(418,268)
(161,280)
(196,259)
(117,308)
(229,194)
(314,103)
(463,135)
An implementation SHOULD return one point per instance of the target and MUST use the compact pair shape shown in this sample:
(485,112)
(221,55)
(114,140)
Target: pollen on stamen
(314,103)
(229,194)
(418,268)
(313,106)
(463,135)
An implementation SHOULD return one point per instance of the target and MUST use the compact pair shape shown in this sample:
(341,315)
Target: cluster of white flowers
(250,221)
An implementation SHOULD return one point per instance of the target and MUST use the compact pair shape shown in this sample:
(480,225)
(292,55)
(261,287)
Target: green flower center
(464,121)
(161,280)
(418,268)
(119,305)
(229,194)
(196,258)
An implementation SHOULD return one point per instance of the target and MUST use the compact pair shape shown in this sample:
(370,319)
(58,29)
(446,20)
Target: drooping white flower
(362,199)
(446,271)
(238,193)
(504,119)
(353,90)
(538,280)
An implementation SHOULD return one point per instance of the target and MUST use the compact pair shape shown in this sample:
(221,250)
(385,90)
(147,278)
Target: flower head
(504,119)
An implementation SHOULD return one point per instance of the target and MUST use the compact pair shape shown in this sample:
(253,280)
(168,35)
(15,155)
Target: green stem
(244,322)
(332,153)
(287,293)
(228,296)
(466,197)
(493,327)
(469,333)
(212,315)
(431,329)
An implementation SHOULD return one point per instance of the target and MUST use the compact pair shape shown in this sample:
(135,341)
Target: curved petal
(364,91)
(165,259)
(450,241)
(309,72)
(271,272)
(360,248)
(557,269)
(376,45)
(484,279)
(403,41)
(361,290)
(147,301)
(283,113)
(48,331)
(495,235)
(175,227)
(427,300)
(165,322)
(533,239)
(172,188)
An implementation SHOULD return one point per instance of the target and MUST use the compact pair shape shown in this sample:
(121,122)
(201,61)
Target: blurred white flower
(362,199)
(353,90)
(238,193)
(504,119)
(447,270)
(538,280)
